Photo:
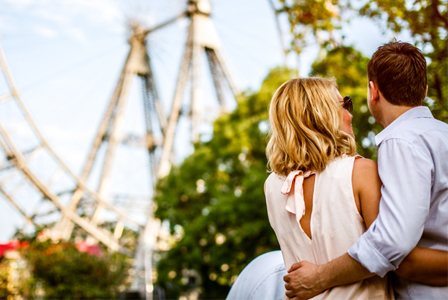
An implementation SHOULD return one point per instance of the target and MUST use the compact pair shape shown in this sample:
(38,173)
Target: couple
(337,238)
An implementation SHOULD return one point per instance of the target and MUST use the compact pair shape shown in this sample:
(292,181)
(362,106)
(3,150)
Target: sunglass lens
(348,103)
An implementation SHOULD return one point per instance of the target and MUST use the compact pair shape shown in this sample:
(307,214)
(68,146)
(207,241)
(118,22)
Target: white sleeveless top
(335,224)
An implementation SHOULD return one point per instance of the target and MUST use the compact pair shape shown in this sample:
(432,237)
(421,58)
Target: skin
(346,117)
(382,110)
(428,266)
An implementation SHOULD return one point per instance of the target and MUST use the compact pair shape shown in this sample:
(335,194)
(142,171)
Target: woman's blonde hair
(306,121)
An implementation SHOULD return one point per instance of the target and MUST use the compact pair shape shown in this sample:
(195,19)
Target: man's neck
(392,112)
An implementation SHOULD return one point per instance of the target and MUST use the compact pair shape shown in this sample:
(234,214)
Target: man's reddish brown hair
(399,70)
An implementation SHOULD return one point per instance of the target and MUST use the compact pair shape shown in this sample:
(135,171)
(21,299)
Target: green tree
(427,22)
(348,66)
(4,279)
(66,273)
(61,271)
(215,200)
(319,18)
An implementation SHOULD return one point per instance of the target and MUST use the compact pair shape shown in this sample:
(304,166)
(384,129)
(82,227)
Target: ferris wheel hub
(199,7)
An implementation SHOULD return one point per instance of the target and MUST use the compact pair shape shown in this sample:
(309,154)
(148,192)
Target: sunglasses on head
(347,103)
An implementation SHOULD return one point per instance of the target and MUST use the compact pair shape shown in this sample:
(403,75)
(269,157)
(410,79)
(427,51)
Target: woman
(321,197)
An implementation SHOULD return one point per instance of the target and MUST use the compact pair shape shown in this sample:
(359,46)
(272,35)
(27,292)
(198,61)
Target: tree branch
(435,6)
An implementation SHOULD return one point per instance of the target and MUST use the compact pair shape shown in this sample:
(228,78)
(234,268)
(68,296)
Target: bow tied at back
(293,187)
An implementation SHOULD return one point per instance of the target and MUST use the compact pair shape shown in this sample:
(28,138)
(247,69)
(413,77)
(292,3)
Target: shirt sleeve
(406,172)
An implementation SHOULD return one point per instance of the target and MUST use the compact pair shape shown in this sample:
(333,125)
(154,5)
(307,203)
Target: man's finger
(286,278)
(294,266)
(289,294)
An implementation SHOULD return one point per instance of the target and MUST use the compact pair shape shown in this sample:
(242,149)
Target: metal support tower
(202,37)
(109,132)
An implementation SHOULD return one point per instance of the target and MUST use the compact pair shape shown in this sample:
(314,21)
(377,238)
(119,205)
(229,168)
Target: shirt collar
(416,112)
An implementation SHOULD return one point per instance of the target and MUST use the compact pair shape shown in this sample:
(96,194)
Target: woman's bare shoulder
(365,171)
(362,165)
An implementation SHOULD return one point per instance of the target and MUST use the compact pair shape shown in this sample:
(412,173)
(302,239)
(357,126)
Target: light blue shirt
(413,166)
(261,279)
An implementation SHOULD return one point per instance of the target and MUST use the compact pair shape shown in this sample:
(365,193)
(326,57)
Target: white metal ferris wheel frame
(202,38)
(19,161)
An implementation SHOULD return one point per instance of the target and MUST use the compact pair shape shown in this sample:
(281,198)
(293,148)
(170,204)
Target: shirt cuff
(363,252)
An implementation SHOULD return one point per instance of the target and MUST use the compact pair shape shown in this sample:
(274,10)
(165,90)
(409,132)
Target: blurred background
(133,133)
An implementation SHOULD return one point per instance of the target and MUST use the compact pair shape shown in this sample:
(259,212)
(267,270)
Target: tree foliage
(319,18)
(67,273)
(426,20)
(60,271)
(5,282)
(216,200)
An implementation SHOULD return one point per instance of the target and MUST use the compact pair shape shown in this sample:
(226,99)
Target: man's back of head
(399,71)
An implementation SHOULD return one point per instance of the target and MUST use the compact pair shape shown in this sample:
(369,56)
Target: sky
(66,57)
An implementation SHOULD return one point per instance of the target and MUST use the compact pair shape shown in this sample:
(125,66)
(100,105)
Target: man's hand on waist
(306,280)
(303,281)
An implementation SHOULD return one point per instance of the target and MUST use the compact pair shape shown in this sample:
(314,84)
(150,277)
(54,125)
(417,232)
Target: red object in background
(82,247)
(12,245)
(91,249)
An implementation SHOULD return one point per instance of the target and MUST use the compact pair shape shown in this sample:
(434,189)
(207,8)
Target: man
(413,166)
